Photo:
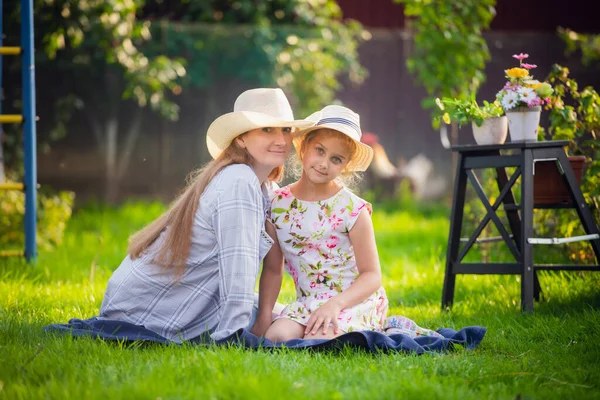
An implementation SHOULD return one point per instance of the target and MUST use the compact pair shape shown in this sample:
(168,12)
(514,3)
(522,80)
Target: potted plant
(522,98)
(574,116)
(488,123)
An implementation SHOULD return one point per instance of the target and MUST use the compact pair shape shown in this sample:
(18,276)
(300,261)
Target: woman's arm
(237,223)
(270,284)
(362,237)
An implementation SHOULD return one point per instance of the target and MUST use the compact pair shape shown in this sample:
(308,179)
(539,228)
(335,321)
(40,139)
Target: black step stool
(520,216)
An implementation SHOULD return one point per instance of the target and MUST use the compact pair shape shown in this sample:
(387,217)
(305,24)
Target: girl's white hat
(254,108)
(345,121)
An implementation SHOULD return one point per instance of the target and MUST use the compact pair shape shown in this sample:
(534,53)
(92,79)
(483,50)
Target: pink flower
(324,296)
(520,56)
(357,211)
(284,192)
(335,221)
(293,272)
(313,285)
(528,66)
(332,241)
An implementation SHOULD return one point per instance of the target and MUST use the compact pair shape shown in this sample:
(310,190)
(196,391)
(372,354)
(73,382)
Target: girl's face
(325,158)
(269,147)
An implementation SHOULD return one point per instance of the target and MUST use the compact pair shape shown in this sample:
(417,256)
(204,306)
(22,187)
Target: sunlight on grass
(549,354)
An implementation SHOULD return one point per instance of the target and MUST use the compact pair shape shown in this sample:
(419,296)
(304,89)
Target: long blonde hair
(179,218)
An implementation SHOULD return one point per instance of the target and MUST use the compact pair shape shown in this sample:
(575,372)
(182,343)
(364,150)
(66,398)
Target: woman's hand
(323,316)
(261,325)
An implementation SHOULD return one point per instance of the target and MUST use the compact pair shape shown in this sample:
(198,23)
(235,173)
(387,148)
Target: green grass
(552,353)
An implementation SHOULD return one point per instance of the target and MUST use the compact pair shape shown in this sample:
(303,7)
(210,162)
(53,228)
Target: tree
(96,44)
(302,46)
(101,53)
(450,52)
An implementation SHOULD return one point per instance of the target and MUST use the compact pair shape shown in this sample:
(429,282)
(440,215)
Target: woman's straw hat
(255,108)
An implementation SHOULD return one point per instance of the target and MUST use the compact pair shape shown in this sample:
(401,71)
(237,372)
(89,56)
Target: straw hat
(255,108)
(345,121)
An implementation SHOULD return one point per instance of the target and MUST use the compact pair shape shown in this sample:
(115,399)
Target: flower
(520,89)
(521,56)
(517,73)
(510,100)
(332,242)
(446,118)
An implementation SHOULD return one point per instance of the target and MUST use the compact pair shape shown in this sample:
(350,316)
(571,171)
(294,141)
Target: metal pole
(2,176)
(29,131)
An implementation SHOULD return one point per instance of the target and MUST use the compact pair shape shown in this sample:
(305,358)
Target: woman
(193,270)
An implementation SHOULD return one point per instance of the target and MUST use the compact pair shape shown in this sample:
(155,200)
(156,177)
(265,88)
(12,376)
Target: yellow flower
(446,118)
(517,73)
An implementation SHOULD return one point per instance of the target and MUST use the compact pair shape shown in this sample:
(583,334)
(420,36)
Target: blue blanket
(110,330)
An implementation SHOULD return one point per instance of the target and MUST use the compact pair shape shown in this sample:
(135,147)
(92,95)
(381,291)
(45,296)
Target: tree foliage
(302,46)
(575,116)
(449,52)
(110,55)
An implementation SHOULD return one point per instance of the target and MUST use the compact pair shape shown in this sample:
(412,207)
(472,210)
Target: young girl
(193,270)
(326,235)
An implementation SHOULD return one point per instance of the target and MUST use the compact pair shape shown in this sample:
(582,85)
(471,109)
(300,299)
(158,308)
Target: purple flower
(520,56)
(528,66)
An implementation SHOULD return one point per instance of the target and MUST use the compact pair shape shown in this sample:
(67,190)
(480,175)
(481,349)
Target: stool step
(487,239)
(10,51)
(562,240)
(517,207)
(567,267)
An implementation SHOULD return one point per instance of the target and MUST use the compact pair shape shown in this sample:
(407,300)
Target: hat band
(342,121)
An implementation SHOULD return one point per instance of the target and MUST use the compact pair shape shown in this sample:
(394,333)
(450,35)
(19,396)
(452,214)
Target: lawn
(552,353)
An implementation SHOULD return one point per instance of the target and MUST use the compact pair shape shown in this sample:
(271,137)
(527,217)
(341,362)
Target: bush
(54,211)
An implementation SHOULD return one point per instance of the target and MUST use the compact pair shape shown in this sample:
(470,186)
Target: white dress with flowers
(314,237)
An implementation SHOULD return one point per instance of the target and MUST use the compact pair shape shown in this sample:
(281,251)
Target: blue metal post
(1,151)
(29,131)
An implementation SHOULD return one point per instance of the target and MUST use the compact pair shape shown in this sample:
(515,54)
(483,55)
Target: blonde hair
(347,178)
(179,218)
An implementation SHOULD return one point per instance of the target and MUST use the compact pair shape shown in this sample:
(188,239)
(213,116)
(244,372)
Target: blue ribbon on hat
(343,121)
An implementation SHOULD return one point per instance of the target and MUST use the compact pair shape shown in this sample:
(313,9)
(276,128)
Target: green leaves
(465,111)
(303,47)
(575,116)
(450,52)
(54,211)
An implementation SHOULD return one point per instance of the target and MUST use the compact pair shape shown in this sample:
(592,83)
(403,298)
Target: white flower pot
(523,123)
(492,131)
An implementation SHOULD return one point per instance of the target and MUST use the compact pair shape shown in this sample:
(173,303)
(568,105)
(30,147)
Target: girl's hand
(326,314)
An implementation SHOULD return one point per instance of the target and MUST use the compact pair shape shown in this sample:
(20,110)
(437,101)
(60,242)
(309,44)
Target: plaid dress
(216,292)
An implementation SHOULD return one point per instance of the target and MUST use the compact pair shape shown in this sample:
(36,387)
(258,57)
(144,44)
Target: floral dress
(314,238)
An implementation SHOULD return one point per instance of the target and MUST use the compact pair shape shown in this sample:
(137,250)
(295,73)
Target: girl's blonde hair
(347,178)
(179,218)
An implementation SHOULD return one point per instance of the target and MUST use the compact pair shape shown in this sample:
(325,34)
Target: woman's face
(269,147)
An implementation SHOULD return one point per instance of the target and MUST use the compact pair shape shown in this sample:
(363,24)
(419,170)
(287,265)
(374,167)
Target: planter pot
(548,184)
(523,123)
(492,131)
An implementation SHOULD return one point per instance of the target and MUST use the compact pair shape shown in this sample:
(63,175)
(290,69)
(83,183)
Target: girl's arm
(362,237)
(270,284)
